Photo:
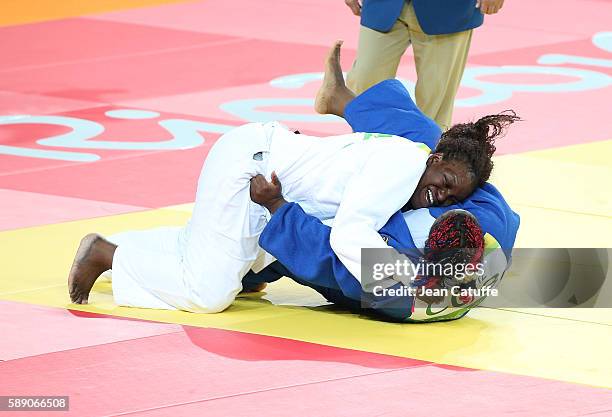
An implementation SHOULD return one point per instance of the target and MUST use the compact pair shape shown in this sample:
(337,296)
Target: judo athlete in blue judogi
(358,180)
(301,243)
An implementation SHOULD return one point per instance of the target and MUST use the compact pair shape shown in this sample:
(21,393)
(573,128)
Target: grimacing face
(443,183)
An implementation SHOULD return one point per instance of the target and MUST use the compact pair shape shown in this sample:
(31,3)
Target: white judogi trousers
(199,267)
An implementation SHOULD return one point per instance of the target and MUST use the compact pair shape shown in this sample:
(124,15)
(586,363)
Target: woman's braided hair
(474,143)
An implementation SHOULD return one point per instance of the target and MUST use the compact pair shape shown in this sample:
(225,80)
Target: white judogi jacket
(359,182)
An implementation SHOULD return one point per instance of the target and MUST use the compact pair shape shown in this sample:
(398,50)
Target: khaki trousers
(439,59)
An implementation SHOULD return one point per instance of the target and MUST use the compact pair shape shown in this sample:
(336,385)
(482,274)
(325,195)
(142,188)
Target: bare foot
(93,257)
(333,92)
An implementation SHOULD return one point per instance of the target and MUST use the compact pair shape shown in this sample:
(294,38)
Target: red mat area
(121,180)
(276,19)
(204,65)
(69,41)
(214,372)
(18,103)
(187,61)
(127,177)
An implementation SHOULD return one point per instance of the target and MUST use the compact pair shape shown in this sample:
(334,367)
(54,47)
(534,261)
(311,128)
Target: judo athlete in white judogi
(199,267)
(360,183)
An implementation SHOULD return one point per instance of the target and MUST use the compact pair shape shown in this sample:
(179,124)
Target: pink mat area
(25,209)
(69,41)
(215,372)
(204,65)
(417,392)
(31,330)
(553,16)
(315,22)
(19,103)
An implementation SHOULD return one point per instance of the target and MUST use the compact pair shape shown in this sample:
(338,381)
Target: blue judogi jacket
(300,242)
(436,17)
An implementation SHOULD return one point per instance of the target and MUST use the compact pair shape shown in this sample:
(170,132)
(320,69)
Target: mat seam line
(2,294)
(564,211)
(552,32)
(545,316)
(221,397)
(114,57)
(592,413)
(95,345)
(139,210)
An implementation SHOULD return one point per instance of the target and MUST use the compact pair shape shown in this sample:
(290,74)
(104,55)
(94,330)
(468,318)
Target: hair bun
(474,143)
(494,125)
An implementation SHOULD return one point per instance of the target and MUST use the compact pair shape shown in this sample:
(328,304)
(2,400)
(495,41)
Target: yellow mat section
(563,195)
(36,261)
(28,11)
(564,201)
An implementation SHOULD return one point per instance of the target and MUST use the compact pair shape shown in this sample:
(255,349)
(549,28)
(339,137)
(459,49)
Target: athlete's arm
(382,187)
(300,243)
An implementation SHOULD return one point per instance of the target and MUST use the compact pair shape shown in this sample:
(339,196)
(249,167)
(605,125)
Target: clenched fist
(267,194)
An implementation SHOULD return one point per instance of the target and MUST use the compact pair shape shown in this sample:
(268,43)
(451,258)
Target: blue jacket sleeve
(301,243)
(388,108)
